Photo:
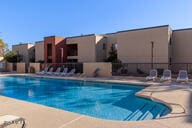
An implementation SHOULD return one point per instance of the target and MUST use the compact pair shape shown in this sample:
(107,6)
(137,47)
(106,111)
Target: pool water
(101,100)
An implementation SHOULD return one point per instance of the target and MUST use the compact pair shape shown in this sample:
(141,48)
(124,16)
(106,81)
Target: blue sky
(31,20)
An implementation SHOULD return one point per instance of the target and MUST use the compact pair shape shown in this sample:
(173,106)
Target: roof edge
(143,28)
(80,36)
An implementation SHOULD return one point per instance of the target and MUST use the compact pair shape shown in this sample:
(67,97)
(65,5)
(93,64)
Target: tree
(32,54)
(12,57)
(3,48)
(113,56)
(2,44)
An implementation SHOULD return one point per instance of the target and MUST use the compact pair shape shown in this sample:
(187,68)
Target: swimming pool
(101,100)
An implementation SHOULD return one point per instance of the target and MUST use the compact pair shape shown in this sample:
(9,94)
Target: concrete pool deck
(177,96)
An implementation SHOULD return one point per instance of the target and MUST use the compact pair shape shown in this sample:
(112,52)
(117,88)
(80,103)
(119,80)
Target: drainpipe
(152,47)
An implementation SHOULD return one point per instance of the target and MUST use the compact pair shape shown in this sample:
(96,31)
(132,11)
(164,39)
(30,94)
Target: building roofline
(80,36)
(143,28)
(53,36)
(23,44)
(39,41)
(110,33)
(183,29)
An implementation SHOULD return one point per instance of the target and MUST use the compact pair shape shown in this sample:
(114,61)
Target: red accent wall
(57,44)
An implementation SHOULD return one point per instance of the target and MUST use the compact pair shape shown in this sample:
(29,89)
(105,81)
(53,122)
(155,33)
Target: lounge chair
(50,72)
(183,76)
(8,120)
(96,72)
(65,70)
(43,72)
(57,72)
(71,73)
(166,75)
(152,75)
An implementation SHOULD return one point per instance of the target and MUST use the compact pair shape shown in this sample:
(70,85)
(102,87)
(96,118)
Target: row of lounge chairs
(182,76)
(12,120)
(58,72)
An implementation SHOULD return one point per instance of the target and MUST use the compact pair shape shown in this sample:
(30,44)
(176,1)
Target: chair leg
(24,124)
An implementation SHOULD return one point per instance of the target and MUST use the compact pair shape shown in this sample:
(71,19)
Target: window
(72,50)
(114,46)
(72,60)
(104,46)
(49,49)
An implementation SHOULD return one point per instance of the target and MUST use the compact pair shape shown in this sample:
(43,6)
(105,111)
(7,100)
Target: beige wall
(105,69)
(39,51)
(111,39)
(182,46)
(101,53)
(86,48)
(135,46)
(21,68)
(36,66)
(9,67)
(23,50)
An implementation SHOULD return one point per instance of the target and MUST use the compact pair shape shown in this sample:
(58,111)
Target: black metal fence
(125,69)
(77,66)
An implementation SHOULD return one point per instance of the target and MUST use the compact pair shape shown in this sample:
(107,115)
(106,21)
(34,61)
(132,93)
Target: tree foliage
(2,44)
(113,56)
(3,47)
(12,57)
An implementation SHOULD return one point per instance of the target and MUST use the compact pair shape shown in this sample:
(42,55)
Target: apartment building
(86,48)
(39,51)
(158,44)
(55,49)
(25,51)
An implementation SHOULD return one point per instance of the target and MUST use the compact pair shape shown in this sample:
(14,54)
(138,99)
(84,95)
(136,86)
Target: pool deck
(177,96)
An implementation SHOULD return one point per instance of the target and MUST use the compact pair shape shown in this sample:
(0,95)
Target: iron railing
(144,68)
(77,66)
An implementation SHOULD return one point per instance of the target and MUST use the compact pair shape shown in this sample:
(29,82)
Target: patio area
(177,96)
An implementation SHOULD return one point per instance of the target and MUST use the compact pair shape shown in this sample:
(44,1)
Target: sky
(27,21)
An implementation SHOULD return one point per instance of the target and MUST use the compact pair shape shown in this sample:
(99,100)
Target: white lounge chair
(71,73)
(65,70)
(152,75)
(183,76)
(43,72)
(50,72)
(166,75)
(8,120)
(57,72)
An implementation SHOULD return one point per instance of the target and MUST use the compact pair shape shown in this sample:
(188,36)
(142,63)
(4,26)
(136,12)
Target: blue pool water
(101,100)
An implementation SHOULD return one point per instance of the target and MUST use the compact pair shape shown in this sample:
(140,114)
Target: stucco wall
(135,46)
(23,50)
(9,67)
(105,69)
(39,51)
(86,48)
(21,68)
(101,50)
(111,39)
(182,46)
(36,66)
